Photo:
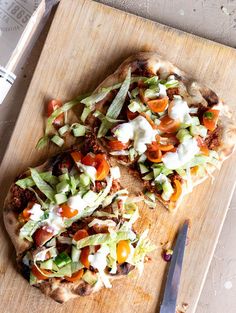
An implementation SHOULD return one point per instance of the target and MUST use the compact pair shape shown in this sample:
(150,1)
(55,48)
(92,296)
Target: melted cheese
(184,153)
(179,110)
(139,130)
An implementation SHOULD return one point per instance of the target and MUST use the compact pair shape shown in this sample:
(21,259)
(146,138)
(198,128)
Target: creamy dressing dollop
(99,259)
(179,110)
(35,212)
(139,130)
(184,153)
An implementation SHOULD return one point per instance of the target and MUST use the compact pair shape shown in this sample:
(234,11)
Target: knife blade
(173,277)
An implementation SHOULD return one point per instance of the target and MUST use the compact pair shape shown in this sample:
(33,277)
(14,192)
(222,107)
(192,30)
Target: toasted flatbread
(149,64)
(47,243)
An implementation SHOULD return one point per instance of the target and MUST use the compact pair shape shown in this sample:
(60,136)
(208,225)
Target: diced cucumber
(63,130)
(167,190)
(49,265)
(64,177)
(183,134)
(90,277)
(135,92)
(156,171)
(84,180)
(76,266)
(33,279)
(195,121)
(75,254)
(62,187)
(151,196)
(60,198)
(149,176)
(132,154)
(199,130)
(64,271)
(143,168)
(62,259)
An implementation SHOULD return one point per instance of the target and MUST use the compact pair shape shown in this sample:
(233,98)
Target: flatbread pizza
(170,130)
(72,225)
(71,222)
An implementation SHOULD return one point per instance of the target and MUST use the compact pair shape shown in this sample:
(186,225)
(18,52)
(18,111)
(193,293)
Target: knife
(173,278)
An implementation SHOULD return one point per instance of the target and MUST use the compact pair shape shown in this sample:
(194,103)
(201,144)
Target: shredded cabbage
(116,106)
(42,185)
(100,239)
(28,229)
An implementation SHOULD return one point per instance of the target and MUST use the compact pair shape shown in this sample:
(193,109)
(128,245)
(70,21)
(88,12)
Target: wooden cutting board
(87,41)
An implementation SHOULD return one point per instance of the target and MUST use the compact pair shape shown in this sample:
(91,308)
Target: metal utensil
(173,278)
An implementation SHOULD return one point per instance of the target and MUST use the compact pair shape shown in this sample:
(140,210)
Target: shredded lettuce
(78,129)
(172,83)
(182,135)
(142,248)
(64,108)
(100,239)
(167,190)
(116,106)
(95,98)
(57,140)
(103,117)
(28,229)
(43,141)
(152,92)
(154,80)
(45,188)
(62,130)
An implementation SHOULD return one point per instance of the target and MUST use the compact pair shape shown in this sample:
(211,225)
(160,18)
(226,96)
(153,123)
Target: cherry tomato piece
(158,105)
(75,276)
(52,106)
(131,115)
(154,156)
(177,191)
(116,145)
(42,235)
(84,256)
(76,156)
(122,251)
(210,119)
(67,211)
(168,125)
(89,160)
(80,234)
(102,166)
(35,271)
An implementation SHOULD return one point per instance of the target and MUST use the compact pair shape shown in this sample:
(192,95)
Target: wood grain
(87,41)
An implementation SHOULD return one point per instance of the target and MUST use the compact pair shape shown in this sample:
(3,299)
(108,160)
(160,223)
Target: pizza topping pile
(148,122)
(81,224)
(159,132)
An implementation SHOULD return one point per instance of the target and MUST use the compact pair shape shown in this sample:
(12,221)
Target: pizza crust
(11,222)
(64,291)
(193,92)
